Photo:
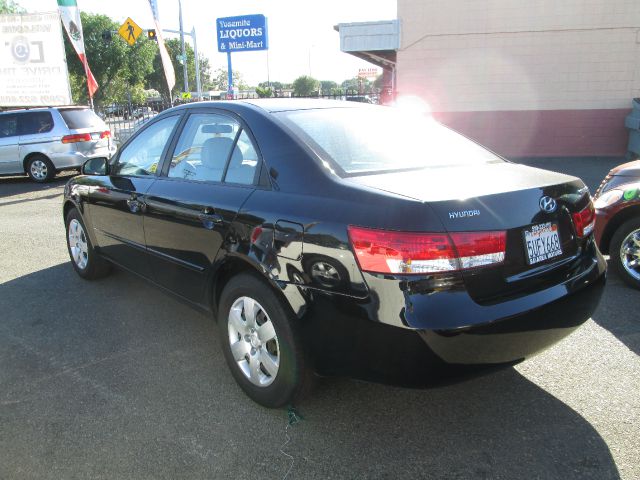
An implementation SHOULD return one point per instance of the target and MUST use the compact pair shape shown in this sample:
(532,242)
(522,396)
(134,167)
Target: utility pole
(197,60)
(184,52)
(195,52)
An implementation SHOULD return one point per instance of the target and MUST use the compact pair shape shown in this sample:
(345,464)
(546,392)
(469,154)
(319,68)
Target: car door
(117,202)
(191,205)
(9,158)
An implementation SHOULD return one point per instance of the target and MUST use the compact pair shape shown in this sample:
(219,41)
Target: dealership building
(535,78)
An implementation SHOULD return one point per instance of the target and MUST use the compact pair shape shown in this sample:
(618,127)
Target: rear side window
(204,147)
(80,118)
(8,126)
(244,162)
(30,123)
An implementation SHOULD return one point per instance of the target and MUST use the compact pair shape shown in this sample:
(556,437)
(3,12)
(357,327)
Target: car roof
(44,109)
(287,104)
(271,105)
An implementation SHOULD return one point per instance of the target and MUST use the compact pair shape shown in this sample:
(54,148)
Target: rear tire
(625,252)
(86,262)
(40,169)
(261,343)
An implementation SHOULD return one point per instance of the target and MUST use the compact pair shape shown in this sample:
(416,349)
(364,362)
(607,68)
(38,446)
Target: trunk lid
(499,196)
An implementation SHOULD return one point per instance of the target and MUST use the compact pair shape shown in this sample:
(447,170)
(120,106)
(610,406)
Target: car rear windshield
(76,118)
(374,139)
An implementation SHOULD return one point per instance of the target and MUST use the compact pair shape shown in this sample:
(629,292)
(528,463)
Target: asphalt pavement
(114,379)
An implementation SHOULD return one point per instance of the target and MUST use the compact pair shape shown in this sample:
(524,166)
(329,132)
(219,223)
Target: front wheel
(625,252)
(86,262)
(261,344)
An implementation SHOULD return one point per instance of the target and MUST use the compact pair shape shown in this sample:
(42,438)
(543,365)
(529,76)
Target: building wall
(525,78)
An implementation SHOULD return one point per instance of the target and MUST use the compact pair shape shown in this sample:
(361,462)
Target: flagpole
(70,17)
(86,73)
(184,52)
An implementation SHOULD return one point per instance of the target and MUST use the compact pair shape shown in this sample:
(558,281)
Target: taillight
(584,220)
(476,249)
(384,251)
(105,134)
(77,137)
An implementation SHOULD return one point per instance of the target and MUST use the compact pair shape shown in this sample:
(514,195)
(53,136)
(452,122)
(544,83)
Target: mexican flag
(70,16)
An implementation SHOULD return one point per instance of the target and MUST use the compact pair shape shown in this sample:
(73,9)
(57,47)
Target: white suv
(43,141)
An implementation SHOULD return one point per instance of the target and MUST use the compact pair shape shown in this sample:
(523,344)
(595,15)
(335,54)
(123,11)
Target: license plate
(542,242)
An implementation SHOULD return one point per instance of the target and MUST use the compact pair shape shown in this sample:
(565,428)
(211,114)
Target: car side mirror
(96,166)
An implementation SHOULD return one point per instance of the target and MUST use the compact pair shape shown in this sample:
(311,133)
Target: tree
(9,6)
(355,84)
(379,82)
(264,92)
(220,80)
(119,69)
(328,86)
(157,80)
(276,86)
(305,86)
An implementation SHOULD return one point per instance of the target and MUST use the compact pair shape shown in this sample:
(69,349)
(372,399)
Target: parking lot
(115,379)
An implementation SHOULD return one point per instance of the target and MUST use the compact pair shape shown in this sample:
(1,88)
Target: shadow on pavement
(114,379)
(10,186)
(613,311)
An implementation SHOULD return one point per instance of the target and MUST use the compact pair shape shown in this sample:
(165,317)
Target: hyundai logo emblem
(548,204)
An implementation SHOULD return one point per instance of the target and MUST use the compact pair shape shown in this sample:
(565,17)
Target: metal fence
(125,119)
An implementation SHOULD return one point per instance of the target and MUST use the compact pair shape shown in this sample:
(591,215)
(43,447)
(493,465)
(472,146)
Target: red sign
(368,73)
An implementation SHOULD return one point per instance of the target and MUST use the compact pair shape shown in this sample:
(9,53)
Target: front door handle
(209,218)
(135,205)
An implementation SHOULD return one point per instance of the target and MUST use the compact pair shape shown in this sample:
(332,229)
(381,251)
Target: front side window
(31,123)
(8,126)
(142,155)
(204,147)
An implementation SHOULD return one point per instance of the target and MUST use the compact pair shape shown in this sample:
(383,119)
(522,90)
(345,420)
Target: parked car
(113,110)
(359,98)
(341,238)
(139,112)
(617,203)
(43,141)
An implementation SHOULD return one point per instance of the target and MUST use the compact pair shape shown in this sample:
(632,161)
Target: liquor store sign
(242,34)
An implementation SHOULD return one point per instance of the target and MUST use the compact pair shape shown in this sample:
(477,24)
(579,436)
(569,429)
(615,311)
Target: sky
(302,40)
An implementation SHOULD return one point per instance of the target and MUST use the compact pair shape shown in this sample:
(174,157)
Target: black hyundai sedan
(341,239)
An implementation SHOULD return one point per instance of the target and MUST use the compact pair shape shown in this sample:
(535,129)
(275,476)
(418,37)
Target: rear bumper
(75,159)
(518,337)
(450,335)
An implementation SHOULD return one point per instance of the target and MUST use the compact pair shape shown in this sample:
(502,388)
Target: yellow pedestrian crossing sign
(130,31)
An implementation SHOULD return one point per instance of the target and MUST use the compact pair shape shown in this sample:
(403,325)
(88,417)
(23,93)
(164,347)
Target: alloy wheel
(253,341)
(630,254)
(39,170)
(78,244)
